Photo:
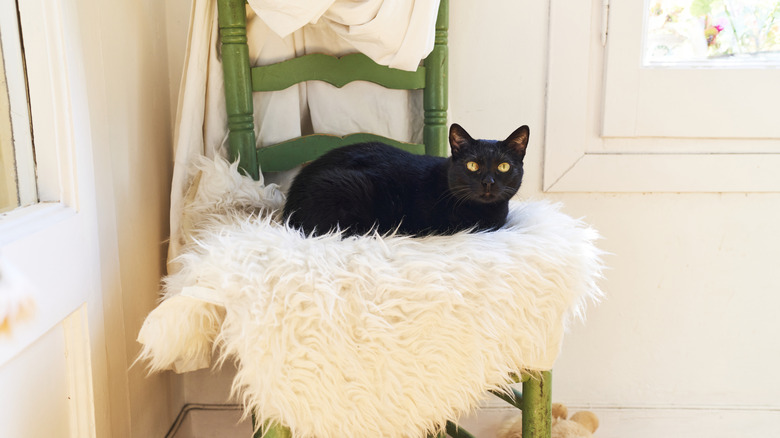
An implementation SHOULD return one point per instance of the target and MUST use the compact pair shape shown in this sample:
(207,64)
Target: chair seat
(366,336)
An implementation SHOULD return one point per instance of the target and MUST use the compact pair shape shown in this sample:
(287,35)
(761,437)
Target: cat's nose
(488,181)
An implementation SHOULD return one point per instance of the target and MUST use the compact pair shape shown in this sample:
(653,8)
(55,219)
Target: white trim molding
(580,158)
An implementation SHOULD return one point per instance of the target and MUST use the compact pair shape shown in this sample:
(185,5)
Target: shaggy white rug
(365,336)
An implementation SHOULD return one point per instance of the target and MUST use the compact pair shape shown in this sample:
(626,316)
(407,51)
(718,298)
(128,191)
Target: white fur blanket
(365,336)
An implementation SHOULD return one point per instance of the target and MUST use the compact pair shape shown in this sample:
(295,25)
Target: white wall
(125,51)
(689,321)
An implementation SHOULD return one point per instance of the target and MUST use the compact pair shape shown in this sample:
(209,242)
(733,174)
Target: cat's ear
(518,140)
(459,138)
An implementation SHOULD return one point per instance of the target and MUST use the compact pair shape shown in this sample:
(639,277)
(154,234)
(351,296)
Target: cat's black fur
(373,186)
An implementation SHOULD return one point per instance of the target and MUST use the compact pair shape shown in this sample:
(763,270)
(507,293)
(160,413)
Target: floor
(211,421)
(219,421)
(215,421)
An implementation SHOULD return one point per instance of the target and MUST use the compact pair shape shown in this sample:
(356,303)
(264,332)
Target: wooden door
(52,365)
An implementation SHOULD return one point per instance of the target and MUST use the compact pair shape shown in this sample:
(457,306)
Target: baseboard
(654,422)
(199,420)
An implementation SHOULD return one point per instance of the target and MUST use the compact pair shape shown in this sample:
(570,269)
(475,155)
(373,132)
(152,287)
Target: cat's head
(486,171)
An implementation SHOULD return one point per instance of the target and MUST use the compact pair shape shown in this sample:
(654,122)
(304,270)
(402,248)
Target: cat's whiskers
(461,195)
(457,193)
(444,195)
(507,192)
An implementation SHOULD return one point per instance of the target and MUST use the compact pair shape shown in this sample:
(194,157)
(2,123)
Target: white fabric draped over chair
(398,33)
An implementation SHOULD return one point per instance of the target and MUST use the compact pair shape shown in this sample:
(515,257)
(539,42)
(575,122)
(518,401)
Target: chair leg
(535,401)
(456,431)
(271,431)
(537,406)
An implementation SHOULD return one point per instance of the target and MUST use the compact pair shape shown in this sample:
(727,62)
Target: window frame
(578,158)
(56,235)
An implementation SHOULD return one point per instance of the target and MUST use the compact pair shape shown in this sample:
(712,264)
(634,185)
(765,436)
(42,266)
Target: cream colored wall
(126,64)
(689,322)
(177,18)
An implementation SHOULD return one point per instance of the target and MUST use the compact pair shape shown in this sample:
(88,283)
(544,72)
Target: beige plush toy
(581,425)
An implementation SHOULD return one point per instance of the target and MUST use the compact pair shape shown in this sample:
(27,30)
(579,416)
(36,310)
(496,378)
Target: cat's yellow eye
(503,167)
(472,166)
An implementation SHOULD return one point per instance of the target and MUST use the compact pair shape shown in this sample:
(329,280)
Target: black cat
(374,186)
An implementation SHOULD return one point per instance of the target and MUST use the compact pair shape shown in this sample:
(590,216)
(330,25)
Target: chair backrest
(241,80)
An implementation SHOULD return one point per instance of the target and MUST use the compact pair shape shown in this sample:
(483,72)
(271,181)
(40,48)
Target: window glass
(714,33)
(18,186)
(9,198)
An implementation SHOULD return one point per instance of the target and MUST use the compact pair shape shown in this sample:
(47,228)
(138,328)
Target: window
(8,188)
(17,184)
(712,33)
(625,118)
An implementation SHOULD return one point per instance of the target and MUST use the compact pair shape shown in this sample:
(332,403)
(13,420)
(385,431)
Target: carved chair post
(238,85)
(435,135)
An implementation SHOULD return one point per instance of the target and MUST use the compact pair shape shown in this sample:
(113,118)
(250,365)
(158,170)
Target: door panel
(37,379)
(46,369)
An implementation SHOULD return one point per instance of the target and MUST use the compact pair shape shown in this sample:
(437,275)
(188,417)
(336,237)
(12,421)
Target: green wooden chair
(241,80)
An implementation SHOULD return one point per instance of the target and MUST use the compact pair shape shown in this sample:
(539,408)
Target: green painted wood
(291,153)
(435,102)
(456,431)
(335,71)
(238,85)
(272,431)
(537,406)
(241,80)
(515,399)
